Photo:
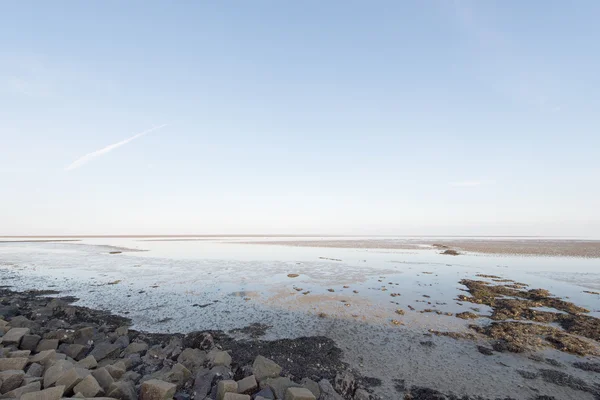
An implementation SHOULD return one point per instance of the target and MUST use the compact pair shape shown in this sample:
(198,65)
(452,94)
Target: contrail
(89,157)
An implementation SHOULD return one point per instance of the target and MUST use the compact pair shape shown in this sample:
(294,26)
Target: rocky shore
(51,349)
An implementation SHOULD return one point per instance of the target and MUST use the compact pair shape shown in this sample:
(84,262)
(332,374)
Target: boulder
(23,322)
(76,351)
(45,357)
(236,396)
(70,378)
(192,358)
(312,386)
(131,376)
(264,368)
(203,383)
(104,378)
(55,371)
(122,390)
(116,370)
(155,389)
(84,336)
(299,393)
(278,385)
(35,370)
(16,363)
(47,344)
(17,393)
(327,391)
(14,336)
(136,347)
(105,350)
(217,357)
(178,375)
(54,393)
(10,380)
(88,387)
(122,330)
(226,386)
(266,394)
(19,353)
(122,341)
(88,363)
(345,384)
(248,385)
(30,342)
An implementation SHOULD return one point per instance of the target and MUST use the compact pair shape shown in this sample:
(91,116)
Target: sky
(432,117)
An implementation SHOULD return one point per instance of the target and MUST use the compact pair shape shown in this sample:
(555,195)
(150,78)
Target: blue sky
(386,117)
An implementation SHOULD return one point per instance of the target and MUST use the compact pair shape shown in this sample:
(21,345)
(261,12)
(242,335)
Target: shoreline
(526,247)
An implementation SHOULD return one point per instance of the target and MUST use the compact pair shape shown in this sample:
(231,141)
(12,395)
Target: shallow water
(184,285)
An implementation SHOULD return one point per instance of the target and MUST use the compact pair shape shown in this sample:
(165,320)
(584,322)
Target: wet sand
(526,247)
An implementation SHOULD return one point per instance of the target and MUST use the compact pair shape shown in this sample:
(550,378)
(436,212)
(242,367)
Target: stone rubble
(50,350)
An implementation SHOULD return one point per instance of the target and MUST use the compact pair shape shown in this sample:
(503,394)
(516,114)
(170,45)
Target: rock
(104,378)
(312,386)
(178,375)
(236,396)
(30,342)
(122,390)
(30,379)
(47,344)
(116,370)
(105,350)
(17,393)
(345,384)
(35,370)
(203,383)
(23,322)
(131,376)
(88,387)
(199,340)
(17,363)
(54,393)
(264,368)
(122,342)
(278,385)
(122,330)
(265,393)
(181,396)
(136,347)
(217,357)
(70,378)
(297,393)
(14,336)
(55,371)
(8,311)
(226,386)
(362,394)
(192,358)
(88,363)
(44,357)
(247,385)
(327,391)
(10,380)
(3,323)
(155,389)
(84,336)
(76,351)
(132,361)
(19,353)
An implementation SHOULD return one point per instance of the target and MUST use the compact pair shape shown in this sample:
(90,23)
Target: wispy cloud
(90,156)
(467,183)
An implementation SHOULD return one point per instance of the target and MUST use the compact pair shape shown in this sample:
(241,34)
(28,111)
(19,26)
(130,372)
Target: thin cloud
(89,157)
